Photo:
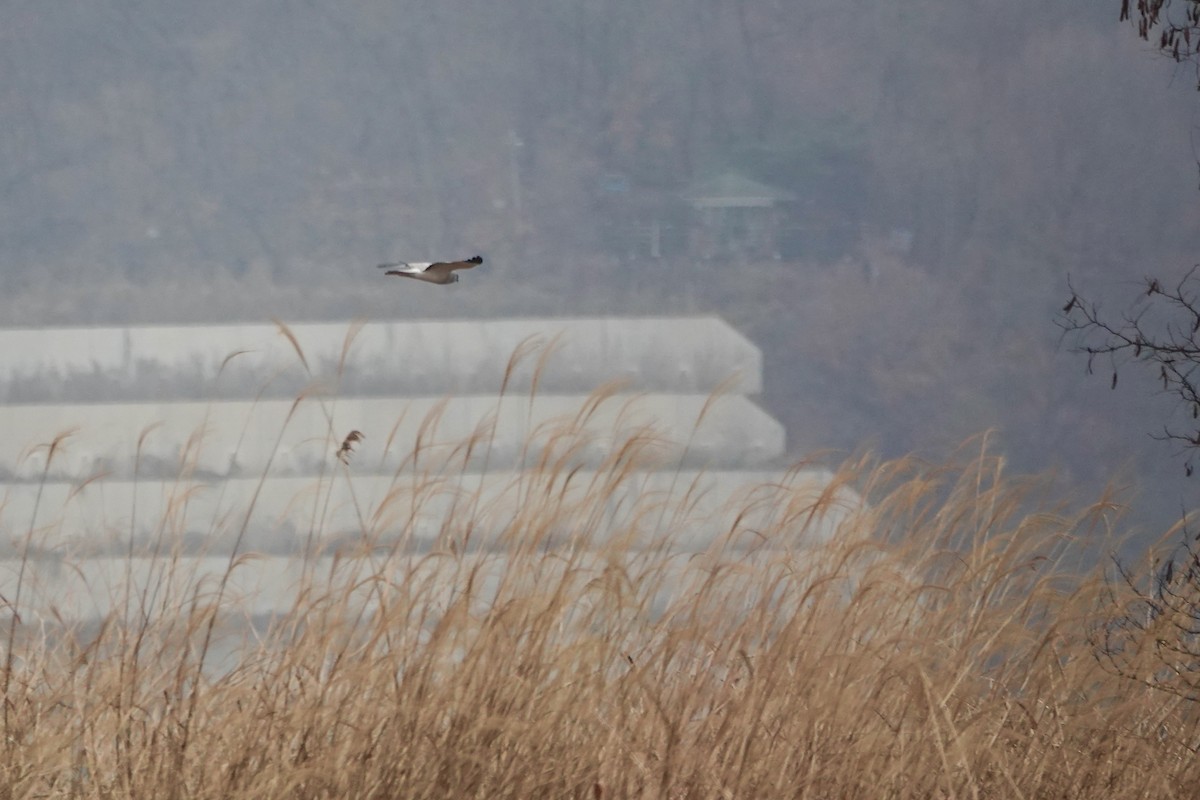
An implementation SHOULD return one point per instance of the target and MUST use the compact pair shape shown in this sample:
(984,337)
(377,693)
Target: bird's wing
(447,267)
(401,267)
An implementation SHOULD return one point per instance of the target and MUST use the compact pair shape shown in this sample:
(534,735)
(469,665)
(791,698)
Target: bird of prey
(431,272)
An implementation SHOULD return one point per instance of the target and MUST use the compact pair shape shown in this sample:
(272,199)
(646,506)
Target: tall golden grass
(941,644)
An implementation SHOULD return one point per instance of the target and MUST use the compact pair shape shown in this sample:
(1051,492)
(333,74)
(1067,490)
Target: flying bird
(431,272)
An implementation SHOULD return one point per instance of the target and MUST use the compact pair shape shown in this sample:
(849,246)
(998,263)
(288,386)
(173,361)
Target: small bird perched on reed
(343,453)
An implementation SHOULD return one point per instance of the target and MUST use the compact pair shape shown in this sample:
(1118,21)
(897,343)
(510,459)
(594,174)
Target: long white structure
(690,510)
(689,354)
(286,438)
(208,441)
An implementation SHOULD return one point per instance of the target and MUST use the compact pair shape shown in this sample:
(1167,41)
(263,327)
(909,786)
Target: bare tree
(1178,34)
(1151,633)
(1161,332)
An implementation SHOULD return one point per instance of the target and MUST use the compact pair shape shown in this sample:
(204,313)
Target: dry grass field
(943,643)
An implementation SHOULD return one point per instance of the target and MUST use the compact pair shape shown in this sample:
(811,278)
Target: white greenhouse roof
(688,509)
(640,430)
(687,354)
(240,438)
(742,517)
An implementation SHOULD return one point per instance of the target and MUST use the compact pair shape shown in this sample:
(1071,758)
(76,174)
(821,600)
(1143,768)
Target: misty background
(935,173)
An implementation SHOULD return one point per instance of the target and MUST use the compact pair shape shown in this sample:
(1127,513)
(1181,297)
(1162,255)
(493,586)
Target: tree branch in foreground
(1159,330)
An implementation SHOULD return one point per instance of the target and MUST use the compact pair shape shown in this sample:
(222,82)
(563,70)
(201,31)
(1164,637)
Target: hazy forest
(951,165)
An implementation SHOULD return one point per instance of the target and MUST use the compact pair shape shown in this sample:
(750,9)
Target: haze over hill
(947,168)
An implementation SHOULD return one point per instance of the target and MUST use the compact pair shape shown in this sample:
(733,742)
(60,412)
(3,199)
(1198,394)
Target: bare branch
(1178,37)
(1159,331)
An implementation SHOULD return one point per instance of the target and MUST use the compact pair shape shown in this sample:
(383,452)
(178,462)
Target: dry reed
(935,646)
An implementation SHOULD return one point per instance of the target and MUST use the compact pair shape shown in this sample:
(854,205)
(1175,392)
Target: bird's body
(343,453)
(432,271)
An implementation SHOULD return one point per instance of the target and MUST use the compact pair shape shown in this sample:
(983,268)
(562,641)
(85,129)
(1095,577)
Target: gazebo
(734,215)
